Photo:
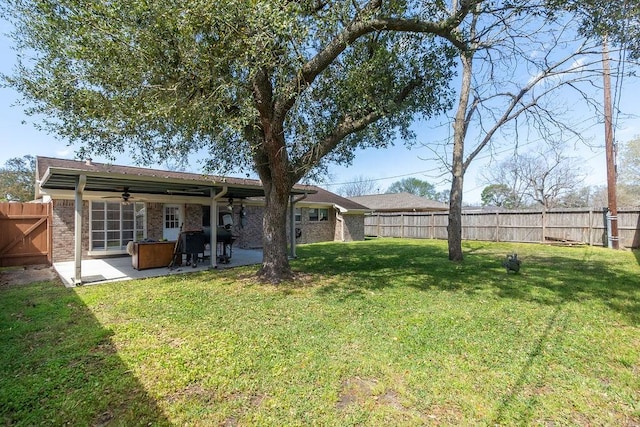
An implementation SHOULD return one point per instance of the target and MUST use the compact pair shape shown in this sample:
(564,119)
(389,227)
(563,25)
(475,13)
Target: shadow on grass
(59,366)
(548,276)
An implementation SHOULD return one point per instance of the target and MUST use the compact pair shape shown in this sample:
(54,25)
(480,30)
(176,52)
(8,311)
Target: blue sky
(19,137)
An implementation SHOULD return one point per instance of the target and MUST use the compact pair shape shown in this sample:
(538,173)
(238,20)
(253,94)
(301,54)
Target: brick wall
(315,231)
(311,231)
(353,228)
(249,230)
(63,224)
(193,217)
(154,220)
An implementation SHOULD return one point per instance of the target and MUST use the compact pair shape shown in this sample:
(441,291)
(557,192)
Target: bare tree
(518,62)
(545,177)
(360,186)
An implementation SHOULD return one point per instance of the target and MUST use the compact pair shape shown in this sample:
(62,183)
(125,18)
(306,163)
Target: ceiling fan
(125,197)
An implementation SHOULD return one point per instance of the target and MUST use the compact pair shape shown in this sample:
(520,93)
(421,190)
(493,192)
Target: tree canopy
(163,79)
(414,186)
(18,179)
(499,195)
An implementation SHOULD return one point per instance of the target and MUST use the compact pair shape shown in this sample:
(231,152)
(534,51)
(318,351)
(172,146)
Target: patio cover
(81,176)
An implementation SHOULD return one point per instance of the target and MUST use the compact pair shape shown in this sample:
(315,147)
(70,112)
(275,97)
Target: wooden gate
(25,234)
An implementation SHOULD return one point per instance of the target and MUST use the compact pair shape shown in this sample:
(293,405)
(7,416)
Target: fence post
(590,227)
(544,224)
(497,226)
(433,225)
(378,224)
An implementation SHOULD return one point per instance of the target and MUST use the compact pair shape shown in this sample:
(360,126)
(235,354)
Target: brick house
(98,208)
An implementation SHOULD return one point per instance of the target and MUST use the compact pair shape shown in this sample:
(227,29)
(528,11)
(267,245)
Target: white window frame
(137,208)
(319,216)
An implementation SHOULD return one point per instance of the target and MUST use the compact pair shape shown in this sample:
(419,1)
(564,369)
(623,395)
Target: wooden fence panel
(417,226)
(479,227)
(561,225)
(25,234)
(439,225)
(520,226)
(629,228)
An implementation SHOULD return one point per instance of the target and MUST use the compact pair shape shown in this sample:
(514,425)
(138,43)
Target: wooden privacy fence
(585,226)
(25,234)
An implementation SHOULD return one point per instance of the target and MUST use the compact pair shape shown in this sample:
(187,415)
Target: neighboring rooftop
(399,202)
(323,196)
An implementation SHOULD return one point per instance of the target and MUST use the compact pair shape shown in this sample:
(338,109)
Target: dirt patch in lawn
(18,276)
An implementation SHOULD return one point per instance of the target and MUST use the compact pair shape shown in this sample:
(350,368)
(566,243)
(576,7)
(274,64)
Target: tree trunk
(272,167)
(275,261)
(454,228)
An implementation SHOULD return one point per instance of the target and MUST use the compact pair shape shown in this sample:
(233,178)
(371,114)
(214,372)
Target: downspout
(213,224)
(292,223)
(81,182)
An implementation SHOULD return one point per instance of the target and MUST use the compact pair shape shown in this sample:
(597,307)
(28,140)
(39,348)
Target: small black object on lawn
(512,263)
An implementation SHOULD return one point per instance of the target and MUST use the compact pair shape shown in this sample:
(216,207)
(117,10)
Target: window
(298,214)
(318,214)
(113,225)
(172,217)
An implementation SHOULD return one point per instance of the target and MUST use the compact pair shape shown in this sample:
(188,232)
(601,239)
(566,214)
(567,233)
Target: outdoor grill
(191,244)
(224,240)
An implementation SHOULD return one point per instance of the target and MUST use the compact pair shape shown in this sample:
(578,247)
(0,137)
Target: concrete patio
(95,271)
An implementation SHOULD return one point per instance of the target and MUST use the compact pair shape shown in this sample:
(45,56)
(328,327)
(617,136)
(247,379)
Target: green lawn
(383,332)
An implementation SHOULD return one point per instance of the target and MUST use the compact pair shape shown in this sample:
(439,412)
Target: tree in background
(18,179)
(277,87)
(544,177)
(414,186)
(443,196)
(580,197)
(629,174)
(360,186)
(499,195)
(629,171)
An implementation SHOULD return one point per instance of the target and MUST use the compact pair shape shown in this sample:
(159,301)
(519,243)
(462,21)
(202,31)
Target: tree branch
(363,23)
(347,126)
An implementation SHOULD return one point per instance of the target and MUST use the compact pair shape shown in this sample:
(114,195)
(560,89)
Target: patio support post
(213,226)
(81,181)
(292,227)
(213,213)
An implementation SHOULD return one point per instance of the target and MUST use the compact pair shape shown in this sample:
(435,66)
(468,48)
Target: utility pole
(609,149)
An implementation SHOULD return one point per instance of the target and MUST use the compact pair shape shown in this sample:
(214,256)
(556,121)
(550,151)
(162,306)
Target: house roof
(322,196)
(62,174)
(399,202)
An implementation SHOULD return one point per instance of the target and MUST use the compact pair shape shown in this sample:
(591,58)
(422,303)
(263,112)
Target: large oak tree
(277,87)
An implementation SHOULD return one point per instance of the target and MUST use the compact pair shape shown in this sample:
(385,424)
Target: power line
(381,179)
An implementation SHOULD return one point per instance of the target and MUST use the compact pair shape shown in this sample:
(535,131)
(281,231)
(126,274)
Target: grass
(384,332)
